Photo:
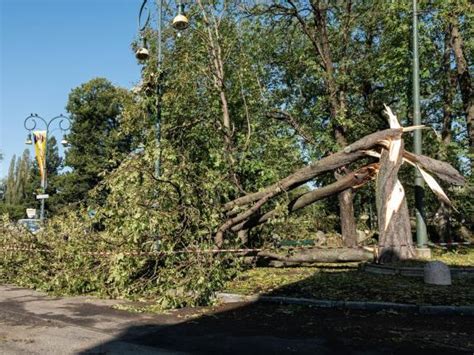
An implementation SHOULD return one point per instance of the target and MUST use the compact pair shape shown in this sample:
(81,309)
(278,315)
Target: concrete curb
(355,305)
(456,272)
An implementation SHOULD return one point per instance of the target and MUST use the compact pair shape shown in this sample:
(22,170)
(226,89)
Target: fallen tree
(320,255)
(395,239)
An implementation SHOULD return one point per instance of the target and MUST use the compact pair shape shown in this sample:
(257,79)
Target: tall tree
(16,194)
(10,183)
(23,177)
(463,77)
(96,145)
(328,28)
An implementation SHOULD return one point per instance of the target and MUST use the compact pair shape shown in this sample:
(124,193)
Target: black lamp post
(421,235)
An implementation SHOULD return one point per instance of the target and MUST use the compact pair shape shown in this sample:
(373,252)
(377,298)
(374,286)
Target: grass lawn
(346,282)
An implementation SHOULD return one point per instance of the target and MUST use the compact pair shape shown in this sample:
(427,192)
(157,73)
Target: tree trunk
(320,255)
(216,68)
(464,80)
(348,223)
(395,239)
(318,35)
(443,214)
(442,222)
(337,101)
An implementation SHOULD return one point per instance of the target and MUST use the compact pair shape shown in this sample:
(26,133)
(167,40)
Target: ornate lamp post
(180,22)
(30,124)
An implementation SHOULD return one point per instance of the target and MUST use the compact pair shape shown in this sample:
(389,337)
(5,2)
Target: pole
(421,237)
(42,203)
(159,87)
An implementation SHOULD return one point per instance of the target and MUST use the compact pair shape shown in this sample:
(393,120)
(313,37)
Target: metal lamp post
(30,124)
(421,235)
(180,22)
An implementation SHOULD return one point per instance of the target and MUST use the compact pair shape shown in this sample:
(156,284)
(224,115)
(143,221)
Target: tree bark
(348,223)
(336,255)
(464,80)
(395,239)
(441,169)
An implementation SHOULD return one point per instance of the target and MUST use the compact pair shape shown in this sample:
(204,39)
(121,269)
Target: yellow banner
(39,140)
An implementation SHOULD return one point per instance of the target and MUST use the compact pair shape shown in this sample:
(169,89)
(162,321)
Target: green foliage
(16,192)
(71,257)
(96,143)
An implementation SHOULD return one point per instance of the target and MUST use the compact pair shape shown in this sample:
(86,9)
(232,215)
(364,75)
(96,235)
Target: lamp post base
(423,253)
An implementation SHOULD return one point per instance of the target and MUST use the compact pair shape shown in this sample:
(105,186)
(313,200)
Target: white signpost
(31,212)
(42,197)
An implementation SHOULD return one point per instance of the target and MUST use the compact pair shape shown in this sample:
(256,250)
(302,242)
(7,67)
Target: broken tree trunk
(395,239)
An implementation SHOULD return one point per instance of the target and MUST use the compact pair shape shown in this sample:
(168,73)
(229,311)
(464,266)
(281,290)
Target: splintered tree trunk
(395,239)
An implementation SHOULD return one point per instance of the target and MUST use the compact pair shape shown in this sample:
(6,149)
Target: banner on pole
(39,140)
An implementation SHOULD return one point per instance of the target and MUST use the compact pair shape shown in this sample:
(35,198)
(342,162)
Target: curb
(457,272)
(354,305)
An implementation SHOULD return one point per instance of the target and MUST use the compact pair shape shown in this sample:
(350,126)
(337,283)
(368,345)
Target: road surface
(34,323)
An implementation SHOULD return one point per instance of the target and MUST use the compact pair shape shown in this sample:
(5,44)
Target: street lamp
(30,124)
(28,140)
(180,22)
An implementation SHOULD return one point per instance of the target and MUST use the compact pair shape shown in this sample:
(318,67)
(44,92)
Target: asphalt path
(34,323)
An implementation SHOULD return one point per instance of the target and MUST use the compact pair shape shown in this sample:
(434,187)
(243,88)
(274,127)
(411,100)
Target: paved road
(33,323)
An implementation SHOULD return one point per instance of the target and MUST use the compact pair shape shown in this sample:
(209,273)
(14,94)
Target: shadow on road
(262,328)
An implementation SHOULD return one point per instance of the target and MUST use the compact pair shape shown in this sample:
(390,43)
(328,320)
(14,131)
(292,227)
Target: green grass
(346,282)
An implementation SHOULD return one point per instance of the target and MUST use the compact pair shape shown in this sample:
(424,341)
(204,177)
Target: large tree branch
(352,180)
(441,169)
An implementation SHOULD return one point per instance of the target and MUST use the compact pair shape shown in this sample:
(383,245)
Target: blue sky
(49,47)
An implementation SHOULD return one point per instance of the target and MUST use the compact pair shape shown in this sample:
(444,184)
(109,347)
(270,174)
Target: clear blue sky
(48,47)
